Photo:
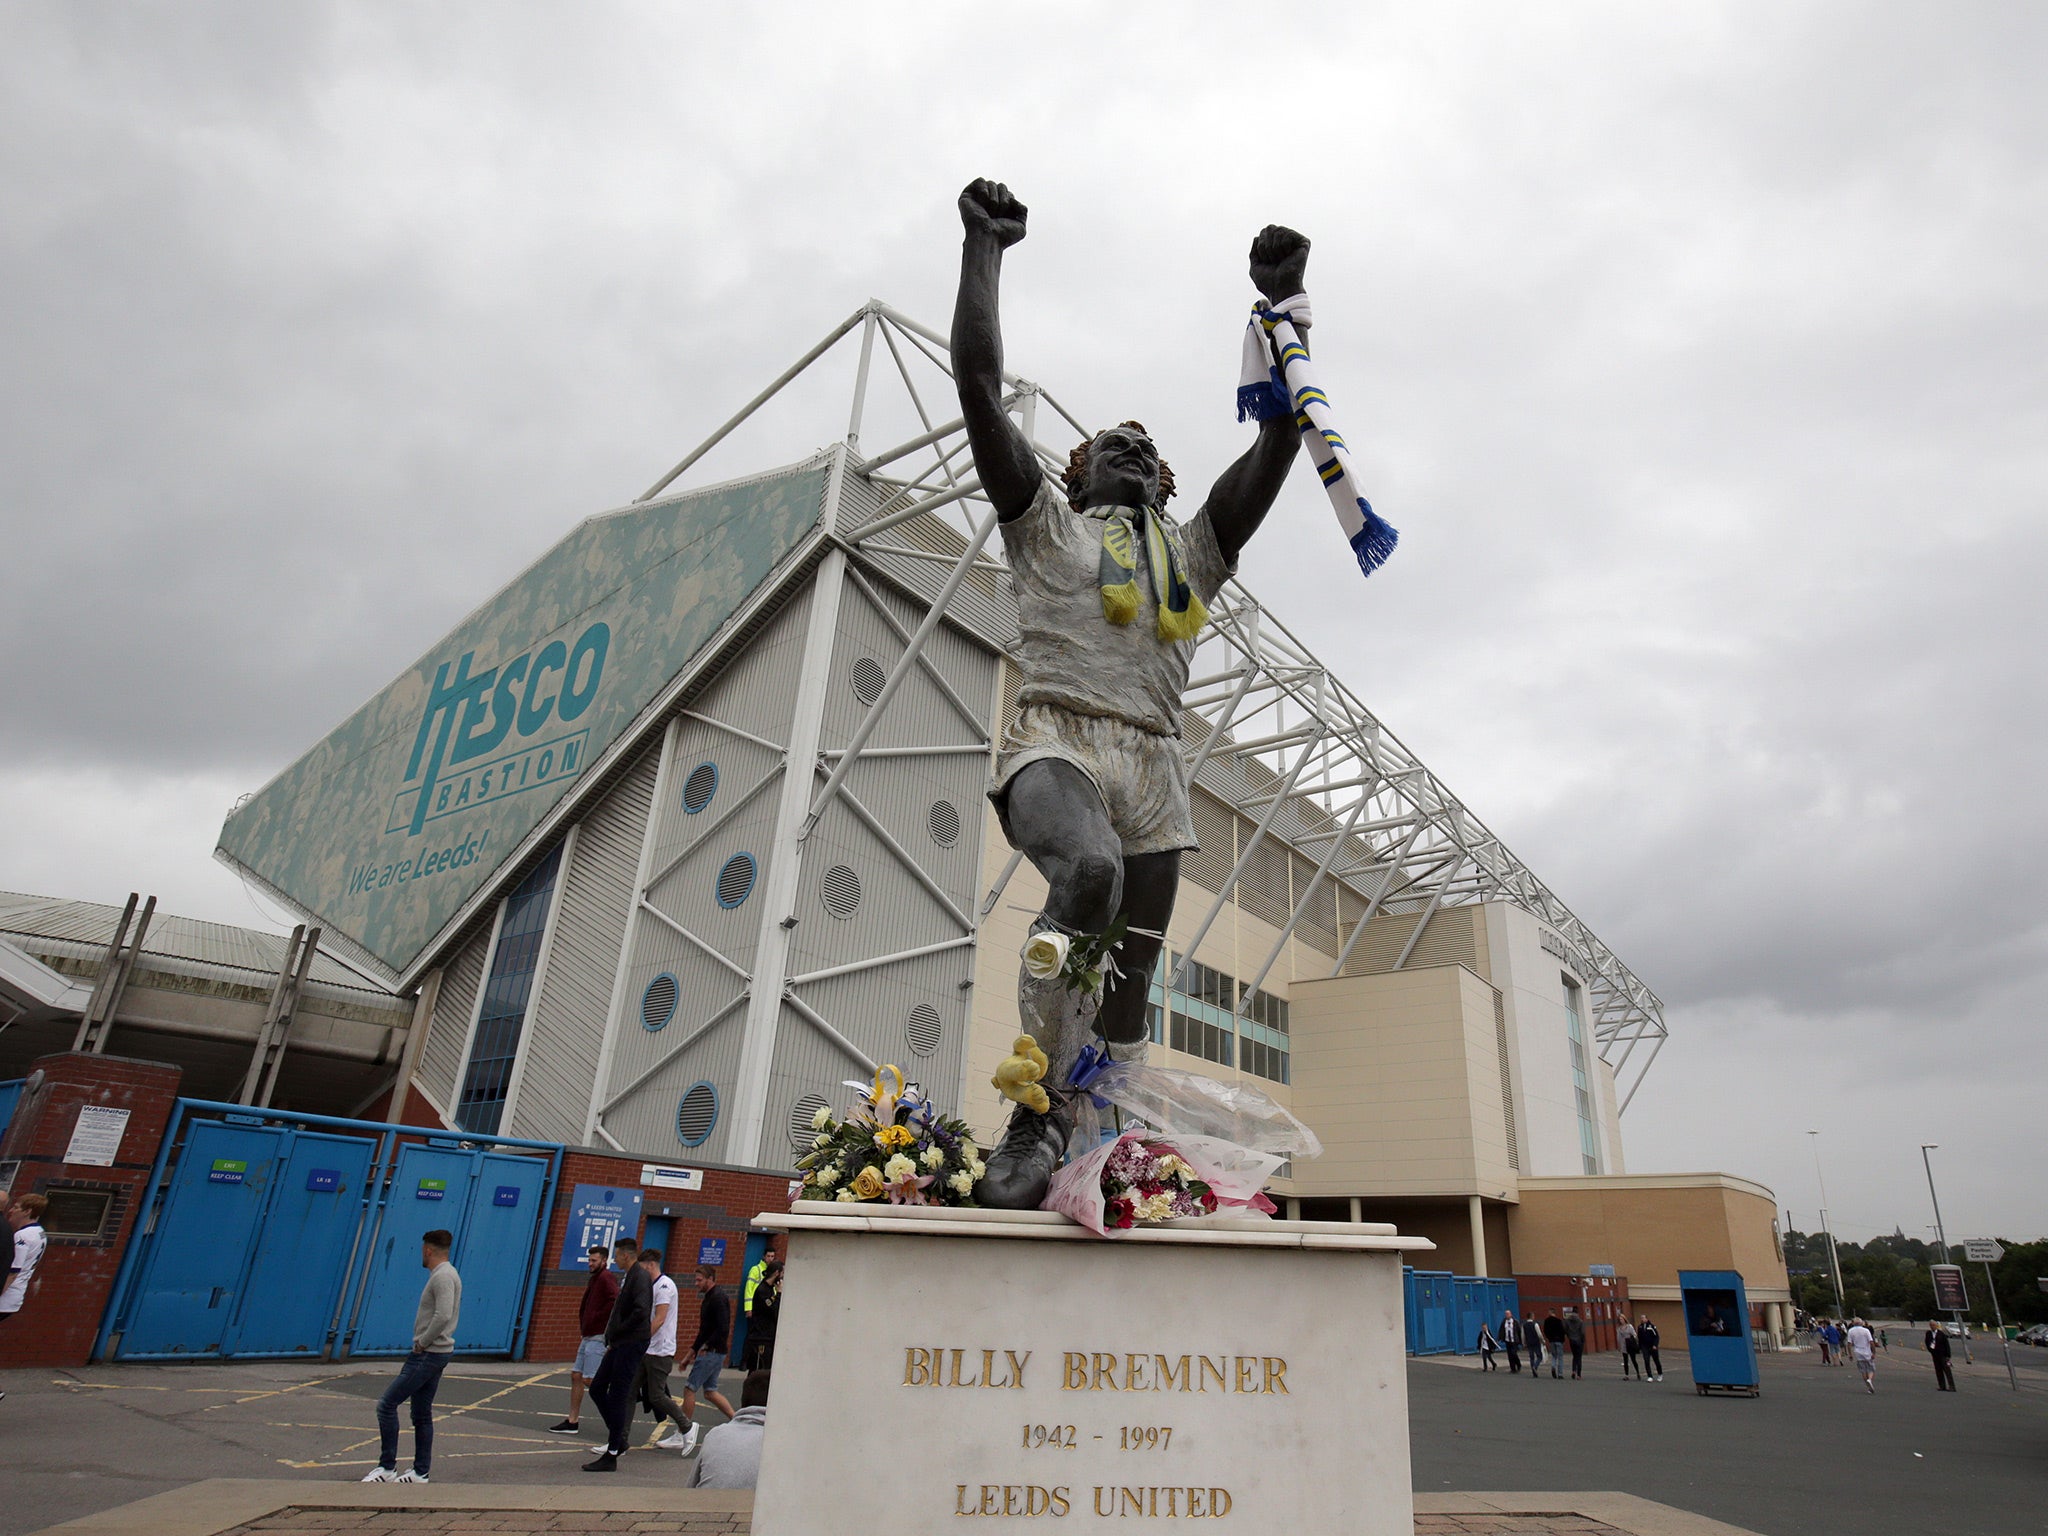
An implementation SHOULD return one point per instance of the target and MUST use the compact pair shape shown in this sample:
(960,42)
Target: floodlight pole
(1834,1261)
(1940,1236)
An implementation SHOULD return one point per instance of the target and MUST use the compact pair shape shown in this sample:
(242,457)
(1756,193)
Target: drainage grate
(735,879)
(699,787)
(868,678)
(800,1117)
(841,890)
(696,1114)
(924,1029)
(658,1002)
(944,823)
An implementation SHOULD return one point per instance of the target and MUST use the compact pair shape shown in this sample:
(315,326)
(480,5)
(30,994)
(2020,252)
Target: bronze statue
(1092,784)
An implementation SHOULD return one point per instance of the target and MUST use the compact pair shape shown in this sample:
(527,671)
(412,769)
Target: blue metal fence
(269,1233)
(1444,1311)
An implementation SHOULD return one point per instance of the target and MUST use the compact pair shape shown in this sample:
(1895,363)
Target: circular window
(840,890)
(944,823)
(658,1002)
(924,1029)
(696,1114)
(735,879)
(801,1118)
(699,787)
(868,678)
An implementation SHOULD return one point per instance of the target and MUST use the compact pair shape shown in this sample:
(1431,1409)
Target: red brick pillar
(61,1316)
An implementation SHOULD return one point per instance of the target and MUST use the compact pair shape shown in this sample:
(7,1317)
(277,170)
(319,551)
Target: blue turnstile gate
(299,1235)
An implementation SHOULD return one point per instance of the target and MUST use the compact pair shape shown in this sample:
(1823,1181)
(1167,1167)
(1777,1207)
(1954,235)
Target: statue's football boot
(1021,1167)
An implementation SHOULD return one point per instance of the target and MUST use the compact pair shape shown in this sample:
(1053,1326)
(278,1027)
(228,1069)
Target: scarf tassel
(1262,402)
(1375,540)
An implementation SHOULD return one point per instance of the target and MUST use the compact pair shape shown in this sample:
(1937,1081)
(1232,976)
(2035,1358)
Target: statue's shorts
(1139,774)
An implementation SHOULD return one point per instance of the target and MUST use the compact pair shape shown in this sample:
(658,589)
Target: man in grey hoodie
(731,1457)
(433,1346)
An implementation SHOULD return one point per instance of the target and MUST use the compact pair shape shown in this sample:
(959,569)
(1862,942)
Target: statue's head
(1117,468)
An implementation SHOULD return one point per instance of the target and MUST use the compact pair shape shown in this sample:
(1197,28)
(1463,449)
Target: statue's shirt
(1071,655)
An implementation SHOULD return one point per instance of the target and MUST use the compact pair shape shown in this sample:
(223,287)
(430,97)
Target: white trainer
(411,1475)
(380,1475)
(690,1439)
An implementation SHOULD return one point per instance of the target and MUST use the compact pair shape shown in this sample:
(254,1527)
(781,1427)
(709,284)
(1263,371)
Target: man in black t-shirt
(707,1353)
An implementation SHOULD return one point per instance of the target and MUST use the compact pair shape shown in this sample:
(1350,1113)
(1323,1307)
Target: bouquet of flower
(1141,1178)
(894,1146)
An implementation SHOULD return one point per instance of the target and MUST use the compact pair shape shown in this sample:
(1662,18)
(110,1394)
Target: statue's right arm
(1008,468)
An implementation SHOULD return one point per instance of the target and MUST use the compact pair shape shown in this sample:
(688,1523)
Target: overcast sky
(1697,351)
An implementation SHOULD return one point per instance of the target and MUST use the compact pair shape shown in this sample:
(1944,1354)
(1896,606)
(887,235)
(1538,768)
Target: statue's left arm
(1245,492)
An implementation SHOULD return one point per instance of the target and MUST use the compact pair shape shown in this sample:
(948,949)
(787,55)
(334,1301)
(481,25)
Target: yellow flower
(1018,1073)
(895,1136)
(868,1185)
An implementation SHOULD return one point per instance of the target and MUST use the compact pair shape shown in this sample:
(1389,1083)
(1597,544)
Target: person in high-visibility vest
(754,1277)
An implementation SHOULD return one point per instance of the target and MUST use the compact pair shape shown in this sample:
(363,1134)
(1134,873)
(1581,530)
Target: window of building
(501,1015)
(1582,1075)
(1200,1017)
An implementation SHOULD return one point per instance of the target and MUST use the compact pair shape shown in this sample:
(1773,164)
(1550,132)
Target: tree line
(1891,1272)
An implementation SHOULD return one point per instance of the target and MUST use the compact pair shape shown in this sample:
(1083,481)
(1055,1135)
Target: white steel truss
(1271,731)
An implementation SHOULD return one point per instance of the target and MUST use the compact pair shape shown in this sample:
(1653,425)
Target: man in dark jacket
(707,1353)
(1937,1346)
(1647,1336)
(1553,1340)
(593,1315)
(625,1343)
(763,1314)
(1532,1335)
(1575,1335)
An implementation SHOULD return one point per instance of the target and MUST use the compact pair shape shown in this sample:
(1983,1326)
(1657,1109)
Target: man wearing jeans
(433,1345)
(625,1345)
(707,1354)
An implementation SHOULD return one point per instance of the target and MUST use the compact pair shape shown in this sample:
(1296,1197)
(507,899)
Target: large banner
(385,829)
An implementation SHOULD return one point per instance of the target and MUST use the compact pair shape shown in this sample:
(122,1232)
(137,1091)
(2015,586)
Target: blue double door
(269,1239)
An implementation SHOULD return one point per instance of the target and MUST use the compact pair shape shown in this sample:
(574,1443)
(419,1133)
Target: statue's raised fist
(1279,259)
(987,208)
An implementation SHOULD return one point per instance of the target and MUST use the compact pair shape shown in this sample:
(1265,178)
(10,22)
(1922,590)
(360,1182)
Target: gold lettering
(1209,1369)
(1076,1378)
(1244,1373)
(1172,1501)
(1060,1504)
(1105,1370)
(1276,1375)
(1036,1500)
(1134,1374)
(1153,1500)
(956,1381)
(1219,1502)
(1010,1492)
(1017,1363)
(988,1500)
(1131,1502)
(1196,1508)
(960,1500)
(988,1368)
(1167,1373)
(1099,1492)
(917,1365)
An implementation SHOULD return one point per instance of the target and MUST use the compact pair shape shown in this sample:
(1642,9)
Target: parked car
(2036,1336)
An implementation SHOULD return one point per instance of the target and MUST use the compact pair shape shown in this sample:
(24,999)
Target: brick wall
(722,1208)
(70,1291)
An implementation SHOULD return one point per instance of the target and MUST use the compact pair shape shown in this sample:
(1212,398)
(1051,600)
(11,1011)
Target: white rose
(977,1168)
(821,1141)
(934,1157)
(827,1176)
(822,1118)
(1045,953)
(844,1194)
(962,1183)
(1155,1207)
(899,1168)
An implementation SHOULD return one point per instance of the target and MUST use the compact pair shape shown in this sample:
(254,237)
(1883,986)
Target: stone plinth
(936,1367)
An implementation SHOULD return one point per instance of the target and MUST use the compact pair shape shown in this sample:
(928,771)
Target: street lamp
(1834,1262)
(1939,1235)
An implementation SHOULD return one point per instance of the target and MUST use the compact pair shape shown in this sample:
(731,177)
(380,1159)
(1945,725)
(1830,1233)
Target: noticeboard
(1949,1292)
(598,1214)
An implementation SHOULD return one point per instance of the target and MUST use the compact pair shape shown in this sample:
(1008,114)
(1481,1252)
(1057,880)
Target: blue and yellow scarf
(1181,613)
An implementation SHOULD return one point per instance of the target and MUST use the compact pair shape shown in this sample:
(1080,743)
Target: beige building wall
(1400,1075)
(1649,1227)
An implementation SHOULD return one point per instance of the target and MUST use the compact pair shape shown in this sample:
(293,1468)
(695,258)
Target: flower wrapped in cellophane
(1141,1179)
(894,1146)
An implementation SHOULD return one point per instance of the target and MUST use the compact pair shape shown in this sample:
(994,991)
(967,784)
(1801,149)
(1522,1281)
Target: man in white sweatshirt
(433,1346)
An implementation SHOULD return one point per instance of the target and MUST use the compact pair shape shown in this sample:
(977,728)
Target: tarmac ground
(1813,1456)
